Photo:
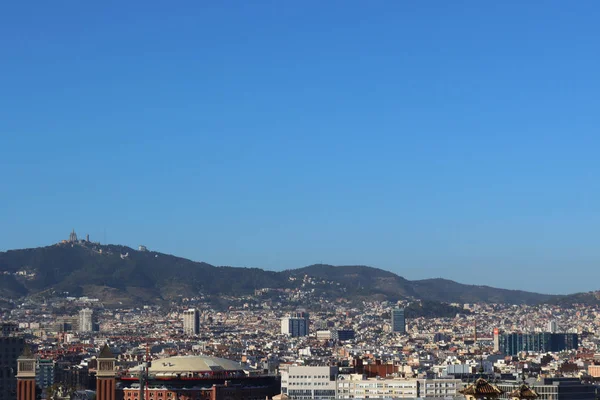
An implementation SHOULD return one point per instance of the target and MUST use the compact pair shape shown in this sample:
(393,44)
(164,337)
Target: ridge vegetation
(119,274)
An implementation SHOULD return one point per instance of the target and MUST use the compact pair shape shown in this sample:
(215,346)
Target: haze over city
(431,140)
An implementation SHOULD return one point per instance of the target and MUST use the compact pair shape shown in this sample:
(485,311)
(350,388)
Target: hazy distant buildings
(333,334)
(295,325)
(86,321)
(191,322)
(398,320)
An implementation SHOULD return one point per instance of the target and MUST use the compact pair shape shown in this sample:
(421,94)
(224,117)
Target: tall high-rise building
(552,326)
(295,325)
(86,320)
(191,322)
(496,340)
(398,320)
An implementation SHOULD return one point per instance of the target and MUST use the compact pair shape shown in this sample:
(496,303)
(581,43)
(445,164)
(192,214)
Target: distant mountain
(120,274)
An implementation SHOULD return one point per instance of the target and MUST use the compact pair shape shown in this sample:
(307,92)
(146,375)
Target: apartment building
(303,382)
(356,386)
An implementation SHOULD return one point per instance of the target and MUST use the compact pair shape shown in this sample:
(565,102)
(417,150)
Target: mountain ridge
(121,274)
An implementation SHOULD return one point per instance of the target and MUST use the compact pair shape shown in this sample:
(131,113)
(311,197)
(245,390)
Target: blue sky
(432,139)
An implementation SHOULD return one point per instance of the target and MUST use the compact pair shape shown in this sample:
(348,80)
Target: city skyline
(430,140)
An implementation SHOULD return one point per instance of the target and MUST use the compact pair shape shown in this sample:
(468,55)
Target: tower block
(105,375)
(26,375)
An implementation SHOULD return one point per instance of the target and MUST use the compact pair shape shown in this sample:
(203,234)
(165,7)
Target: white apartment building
(356,386)
(324,383)
(304,383)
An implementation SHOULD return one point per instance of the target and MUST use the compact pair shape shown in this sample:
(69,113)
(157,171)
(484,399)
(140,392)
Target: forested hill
(120,273)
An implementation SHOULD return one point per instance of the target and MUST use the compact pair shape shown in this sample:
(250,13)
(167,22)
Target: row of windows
(309,383)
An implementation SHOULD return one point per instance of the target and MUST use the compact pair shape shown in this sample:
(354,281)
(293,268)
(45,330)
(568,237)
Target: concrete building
(304,382)
(10,349)
(443,387)
(191,322)
(322,334)
(552,326)
(357,386)
(86,320)
(398,320)
(295,325)
(594,371)
(44,374)
(333,334)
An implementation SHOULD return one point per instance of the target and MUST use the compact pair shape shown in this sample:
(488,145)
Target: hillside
(121,274)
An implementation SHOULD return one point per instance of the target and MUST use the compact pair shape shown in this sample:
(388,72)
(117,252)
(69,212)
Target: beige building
(594,371)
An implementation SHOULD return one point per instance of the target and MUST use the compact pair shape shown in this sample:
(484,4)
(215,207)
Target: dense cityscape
(265,346)
(299,200)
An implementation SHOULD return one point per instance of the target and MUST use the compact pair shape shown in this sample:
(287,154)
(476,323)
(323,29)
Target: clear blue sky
(432,139)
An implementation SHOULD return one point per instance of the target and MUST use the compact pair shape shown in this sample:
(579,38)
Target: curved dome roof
(183,364)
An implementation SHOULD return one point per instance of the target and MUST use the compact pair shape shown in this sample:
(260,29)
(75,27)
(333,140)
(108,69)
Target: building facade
(358,387)
(442,387)
(294,327)
(337,335)
(398,320)
(191,322)
(304,382)
(512,344)
(86,320)
(44,373)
